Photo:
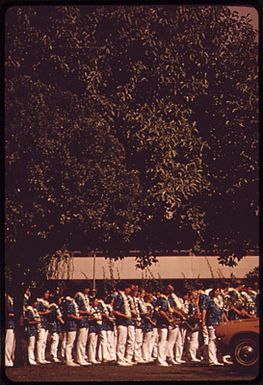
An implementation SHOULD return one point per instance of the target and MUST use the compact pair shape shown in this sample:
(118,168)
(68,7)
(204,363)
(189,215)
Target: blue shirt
(213,313)
(67,306)
(94,325)
(31,329)
(106,324)
(162,304)
(43,318)
(54,323)
(118,305)
(203,301)
(146,325)
(82,306)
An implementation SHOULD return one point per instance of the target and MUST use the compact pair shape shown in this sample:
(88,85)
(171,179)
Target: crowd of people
(127,325)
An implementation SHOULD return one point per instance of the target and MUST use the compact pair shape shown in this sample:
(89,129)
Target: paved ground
(142,372)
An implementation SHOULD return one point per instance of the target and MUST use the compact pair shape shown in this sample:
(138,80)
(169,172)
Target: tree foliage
(130,126)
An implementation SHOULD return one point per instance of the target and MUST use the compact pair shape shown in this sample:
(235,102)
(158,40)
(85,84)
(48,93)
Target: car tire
(245,351)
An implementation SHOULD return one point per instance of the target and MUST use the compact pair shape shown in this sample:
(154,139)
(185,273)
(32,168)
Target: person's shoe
(55,359)
(151,359)
(164,364)
(123,363)
(33,363)
(227,360)
(95,362)
(172,361)
(72,364)
(216,364)
(85,363)
(46,362)
(195,360)
(140,361)
(130,362)
(180,361)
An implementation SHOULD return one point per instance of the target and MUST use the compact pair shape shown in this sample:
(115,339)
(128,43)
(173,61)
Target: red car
(240,338)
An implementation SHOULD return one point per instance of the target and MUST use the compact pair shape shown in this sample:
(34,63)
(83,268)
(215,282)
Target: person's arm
(33,322)
(60,320)
(203,317)
(164,315)
(179,312)
(116,309)
(245,313)
(149,319)
(85,312)
(224,317)
(74,316)
(119,314)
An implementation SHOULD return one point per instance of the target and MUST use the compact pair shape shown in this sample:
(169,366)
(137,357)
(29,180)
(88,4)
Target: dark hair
(200,285)
(31,300)
(108,299)
(101,294)
(123,285)
(85,285)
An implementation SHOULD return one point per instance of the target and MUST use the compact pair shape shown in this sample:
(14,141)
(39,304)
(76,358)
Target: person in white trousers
(211,316)
(71,317)
(202,304)
(33,323)
(194,319)
(148,324)
(82,300)
(141,311)
(95,323)
(106,333)
(43,311)
(10,331)
(109,327)
(175,336)
(56,321)
(122,312)
(164,313)
(131,337)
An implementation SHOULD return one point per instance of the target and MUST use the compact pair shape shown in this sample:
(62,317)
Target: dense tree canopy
(130,126)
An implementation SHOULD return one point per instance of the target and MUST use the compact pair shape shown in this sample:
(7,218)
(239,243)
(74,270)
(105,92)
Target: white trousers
(9,347)
(115,333)
(193,344)
(179,343)
(172,338)
(31,349)
(138,344)
(130,343)
(148,341)
(111,344)
(71,336)
(81,344)
(204,348)
(54,341)
(212,351)
(103,352)
(92,346)
(41,344)
(63,344)
(162,345)
(154,344)
(121,342)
